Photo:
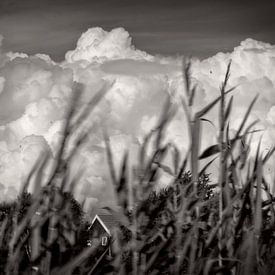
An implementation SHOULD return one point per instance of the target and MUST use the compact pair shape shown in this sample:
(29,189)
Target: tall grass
(187,228)
(234,236)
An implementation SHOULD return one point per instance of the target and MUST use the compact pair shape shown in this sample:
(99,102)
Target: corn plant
(193,226)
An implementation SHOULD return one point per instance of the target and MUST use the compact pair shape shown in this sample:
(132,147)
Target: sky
(133,49)
(199,28)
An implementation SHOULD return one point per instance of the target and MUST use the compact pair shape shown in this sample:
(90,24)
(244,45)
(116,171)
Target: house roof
(106,219)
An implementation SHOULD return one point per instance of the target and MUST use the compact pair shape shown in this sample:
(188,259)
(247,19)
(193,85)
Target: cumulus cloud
(98,45)
(27,80)
(34,93)
(252,68)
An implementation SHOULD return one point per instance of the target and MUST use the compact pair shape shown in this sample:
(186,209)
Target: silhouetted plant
(193,226)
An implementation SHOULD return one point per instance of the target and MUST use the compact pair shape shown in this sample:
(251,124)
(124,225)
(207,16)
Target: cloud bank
(34,93)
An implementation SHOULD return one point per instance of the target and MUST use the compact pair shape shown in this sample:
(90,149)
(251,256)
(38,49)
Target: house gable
(99,226)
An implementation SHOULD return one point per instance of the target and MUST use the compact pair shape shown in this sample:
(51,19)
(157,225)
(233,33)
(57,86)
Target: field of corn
(191,227)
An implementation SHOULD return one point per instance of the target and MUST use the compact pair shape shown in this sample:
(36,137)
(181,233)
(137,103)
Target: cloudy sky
(196,27)
(135,48)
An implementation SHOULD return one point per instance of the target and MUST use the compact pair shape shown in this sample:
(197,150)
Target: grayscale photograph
(137,137)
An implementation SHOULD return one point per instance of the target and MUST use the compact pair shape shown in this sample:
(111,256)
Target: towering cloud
(97,45)
(34,93)
(253,63)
